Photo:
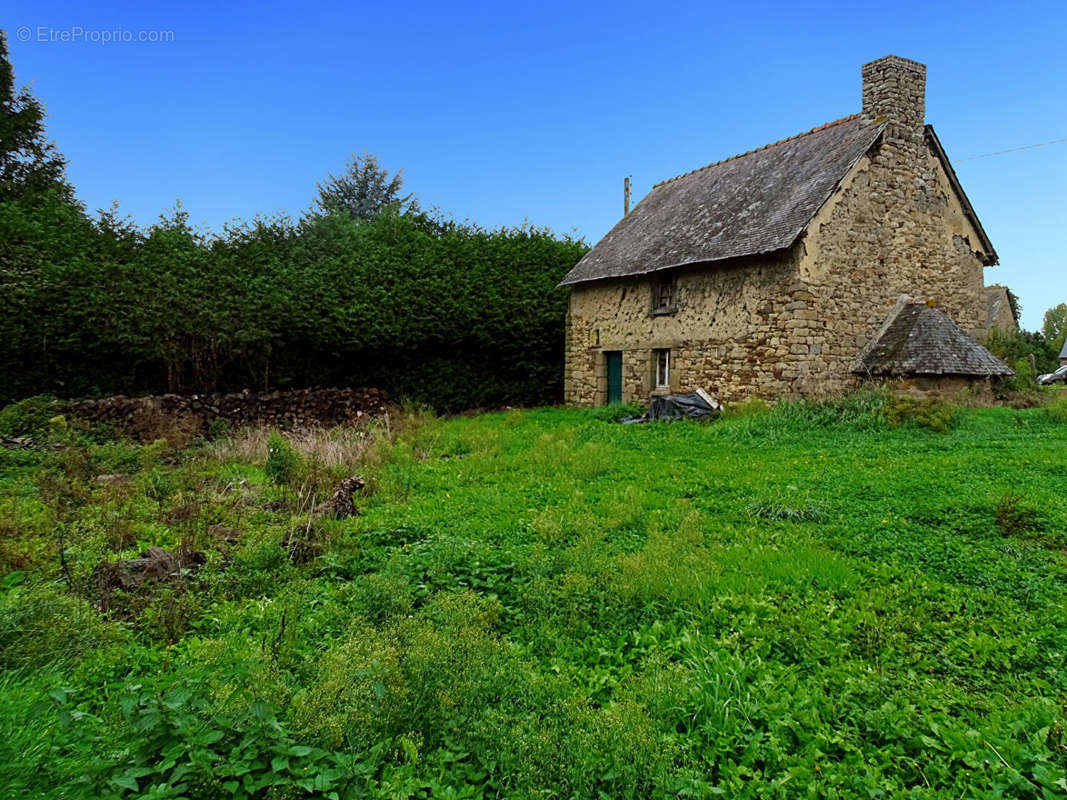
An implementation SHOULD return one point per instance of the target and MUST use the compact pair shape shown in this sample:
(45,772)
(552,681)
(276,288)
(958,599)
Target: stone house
(771,273)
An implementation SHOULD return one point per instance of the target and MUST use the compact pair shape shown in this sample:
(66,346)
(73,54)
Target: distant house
(1000,310)
(1063,354)
(772,273)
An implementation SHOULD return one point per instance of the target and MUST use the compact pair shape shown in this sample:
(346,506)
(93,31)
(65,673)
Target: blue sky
(508,112)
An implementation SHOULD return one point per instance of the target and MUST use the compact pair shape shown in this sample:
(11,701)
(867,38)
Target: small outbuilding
(921,346)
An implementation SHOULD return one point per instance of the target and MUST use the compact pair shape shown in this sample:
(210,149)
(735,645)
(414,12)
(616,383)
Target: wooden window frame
(665,282)
(663,353)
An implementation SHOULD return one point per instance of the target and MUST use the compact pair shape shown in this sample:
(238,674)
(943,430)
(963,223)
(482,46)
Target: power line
(1014,150)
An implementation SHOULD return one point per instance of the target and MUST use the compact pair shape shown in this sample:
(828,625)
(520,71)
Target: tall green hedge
(419,306)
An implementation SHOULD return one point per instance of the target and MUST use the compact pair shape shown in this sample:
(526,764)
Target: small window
(663,290)
(663,368)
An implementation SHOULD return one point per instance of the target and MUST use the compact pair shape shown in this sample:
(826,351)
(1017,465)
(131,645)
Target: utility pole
(626,195)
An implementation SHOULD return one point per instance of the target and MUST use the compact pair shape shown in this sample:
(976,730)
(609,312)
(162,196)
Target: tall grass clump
(785,512)
(313,460)
(327,447)
(863,410)
(46,625)
(1057,408)
(927,412)
(674,565)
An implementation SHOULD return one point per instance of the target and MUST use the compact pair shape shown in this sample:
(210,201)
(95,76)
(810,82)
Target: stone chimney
(894,89)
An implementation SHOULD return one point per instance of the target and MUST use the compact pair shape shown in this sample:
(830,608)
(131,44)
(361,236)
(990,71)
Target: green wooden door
(614,364)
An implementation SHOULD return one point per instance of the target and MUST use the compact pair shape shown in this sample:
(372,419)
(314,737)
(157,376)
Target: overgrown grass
(854,599)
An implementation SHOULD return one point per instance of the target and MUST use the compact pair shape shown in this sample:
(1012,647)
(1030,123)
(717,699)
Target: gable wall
(894,227)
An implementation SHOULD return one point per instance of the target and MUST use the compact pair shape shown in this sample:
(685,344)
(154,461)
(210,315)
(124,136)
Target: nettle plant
(183,746)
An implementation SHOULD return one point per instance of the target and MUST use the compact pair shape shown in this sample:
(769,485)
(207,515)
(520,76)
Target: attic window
(663,294)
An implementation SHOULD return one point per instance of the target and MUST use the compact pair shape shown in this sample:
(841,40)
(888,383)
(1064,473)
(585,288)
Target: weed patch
(815,599)
(780,512)
(1014,518)
(926,413)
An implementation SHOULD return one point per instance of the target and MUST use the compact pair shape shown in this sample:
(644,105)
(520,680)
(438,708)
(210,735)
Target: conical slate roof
(918,339)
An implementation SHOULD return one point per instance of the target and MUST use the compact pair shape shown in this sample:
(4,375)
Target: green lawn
(802,603)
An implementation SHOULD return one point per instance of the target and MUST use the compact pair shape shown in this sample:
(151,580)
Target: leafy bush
(29,417)
(188,746)
(1014,348)
(419,306)
(1024,378)
(282,461)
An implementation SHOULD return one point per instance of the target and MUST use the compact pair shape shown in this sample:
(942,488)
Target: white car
(1059,376)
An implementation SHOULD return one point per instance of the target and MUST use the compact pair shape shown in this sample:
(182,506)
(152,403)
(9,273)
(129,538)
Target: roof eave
(700,262)
(928,373)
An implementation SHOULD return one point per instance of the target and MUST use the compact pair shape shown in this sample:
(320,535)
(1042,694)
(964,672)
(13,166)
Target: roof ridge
(849,118)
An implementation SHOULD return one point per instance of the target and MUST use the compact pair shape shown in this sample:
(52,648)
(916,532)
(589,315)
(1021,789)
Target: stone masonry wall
(731,333)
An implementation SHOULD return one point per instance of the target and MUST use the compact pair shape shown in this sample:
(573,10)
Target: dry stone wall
(194,413)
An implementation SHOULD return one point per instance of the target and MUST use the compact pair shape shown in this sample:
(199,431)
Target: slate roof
(917,339)
(1063,352)
(756,202)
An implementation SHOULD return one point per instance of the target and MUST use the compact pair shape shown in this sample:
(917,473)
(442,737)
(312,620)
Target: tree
(364,190)
(30,165)
(1055,326)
